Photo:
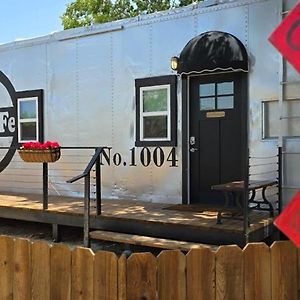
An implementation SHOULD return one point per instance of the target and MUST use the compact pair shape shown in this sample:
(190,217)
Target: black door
(216,134)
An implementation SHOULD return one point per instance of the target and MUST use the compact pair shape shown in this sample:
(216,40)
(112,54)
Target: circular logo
(8,121)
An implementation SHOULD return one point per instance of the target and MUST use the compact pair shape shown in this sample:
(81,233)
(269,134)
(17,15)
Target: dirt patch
(71,236)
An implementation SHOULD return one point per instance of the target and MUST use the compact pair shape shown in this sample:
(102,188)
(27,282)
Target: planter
(40,155)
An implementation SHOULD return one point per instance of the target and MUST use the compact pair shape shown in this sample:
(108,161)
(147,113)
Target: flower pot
(40,155)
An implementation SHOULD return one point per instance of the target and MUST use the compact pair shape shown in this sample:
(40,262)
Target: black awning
(213,51)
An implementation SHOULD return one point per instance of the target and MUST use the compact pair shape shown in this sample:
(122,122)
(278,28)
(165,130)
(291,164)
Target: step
(147,241)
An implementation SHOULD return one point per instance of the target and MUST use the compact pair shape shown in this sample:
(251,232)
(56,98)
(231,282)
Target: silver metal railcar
(112,85)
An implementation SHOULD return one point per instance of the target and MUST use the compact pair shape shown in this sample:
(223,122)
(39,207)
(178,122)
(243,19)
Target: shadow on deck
(140,218)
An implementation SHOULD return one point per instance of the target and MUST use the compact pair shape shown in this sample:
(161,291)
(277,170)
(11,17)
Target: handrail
(95,160)
(89,166)
(87,192)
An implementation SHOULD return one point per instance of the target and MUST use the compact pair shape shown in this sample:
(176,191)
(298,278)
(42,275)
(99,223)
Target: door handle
(193,150)
(192,140)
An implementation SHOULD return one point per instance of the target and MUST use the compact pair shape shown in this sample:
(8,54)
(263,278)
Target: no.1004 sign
(143,156)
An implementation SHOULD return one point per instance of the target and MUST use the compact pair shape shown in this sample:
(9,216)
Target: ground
(71,236)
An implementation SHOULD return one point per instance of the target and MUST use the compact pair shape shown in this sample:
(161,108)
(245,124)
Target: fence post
(86,218)
(45,186)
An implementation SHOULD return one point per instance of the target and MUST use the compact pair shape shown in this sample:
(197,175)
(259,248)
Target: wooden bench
(237,188)
(147,241)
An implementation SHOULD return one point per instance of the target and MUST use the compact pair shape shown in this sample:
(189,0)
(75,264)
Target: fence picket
(284,271)
(82,274)
(122,277)
(60,257)
(171,266)
(201,274)
(229,273)
(141,277)
(257,272)
(6,267)
(105,276)
(40,270)
(22,274)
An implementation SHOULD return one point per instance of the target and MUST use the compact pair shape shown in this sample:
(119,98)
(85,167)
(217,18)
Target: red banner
(286,37)
(289,220)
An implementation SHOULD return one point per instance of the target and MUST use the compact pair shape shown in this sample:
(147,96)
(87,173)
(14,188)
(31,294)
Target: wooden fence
(40,271)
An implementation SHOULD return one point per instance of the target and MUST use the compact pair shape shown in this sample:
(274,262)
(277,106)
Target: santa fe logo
(8,121)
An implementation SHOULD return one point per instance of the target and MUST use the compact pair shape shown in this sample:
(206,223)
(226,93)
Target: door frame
(185,89)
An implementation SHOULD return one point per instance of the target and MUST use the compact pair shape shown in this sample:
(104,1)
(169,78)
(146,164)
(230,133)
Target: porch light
(174,63)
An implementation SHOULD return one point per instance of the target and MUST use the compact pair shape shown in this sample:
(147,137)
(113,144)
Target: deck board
(135,210)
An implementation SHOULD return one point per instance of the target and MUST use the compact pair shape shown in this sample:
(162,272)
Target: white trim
(36,120)
(213,71)
(166,113)
(154,113)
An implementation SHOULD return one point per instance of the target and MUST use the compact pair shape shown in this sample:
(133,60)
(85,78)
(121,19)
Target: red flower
(38,145)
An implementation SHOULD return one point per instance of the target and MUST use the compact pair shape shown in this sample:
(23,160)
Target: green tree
(86,12)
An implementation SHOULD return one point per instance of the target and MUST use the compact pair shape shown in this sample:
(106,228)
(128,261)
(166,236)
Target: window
(290,119)
(156,111)
(30,116)
(215,96)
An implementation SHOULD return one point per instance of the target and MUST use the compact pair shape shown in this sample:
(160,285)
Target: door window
(216,96)
(225,102)
(207,103)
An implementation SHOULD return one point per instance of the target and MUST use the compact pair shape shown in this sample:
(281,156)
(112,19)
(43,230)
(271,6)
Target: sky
(29,18)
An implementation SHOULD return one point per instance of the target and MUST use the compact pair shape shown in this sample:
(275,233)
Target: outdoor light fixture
(174,63)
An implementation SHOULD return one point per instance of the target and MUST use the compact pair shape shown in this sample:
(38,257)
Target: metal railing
(86,174)
(274,173)
(268,168)
(66,166)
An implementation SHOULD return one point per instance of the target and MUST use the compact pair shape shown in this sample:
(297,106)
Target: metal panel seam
(111,58)
(77,91)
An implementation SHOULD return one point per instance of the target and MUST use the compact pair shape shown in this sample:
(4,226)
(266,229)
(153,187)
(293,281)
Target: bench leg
(271,208)
(238,201)
(219,217)
(252,196)
(226,203)
(264,201)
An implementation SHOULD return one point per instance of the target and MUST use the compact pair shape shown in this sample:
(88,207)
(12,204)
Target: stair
(147,241)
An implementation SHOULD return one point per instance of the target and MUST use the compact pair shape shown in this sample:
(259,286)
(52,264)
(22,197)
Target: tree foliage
(87,12)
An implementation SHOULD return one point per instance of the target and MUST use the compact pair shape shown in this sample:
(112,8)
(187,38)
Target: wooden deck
(136,217)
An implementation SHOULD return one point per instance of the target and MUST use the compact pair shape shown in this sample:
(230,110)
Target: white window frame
(21,121)
(155,113)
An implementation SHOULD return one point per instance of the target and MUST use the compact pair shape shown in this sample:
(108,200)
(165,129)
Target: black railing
(252,169)
(67,168)
(274,173)
(86,174)
(246,198)
(272,176)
